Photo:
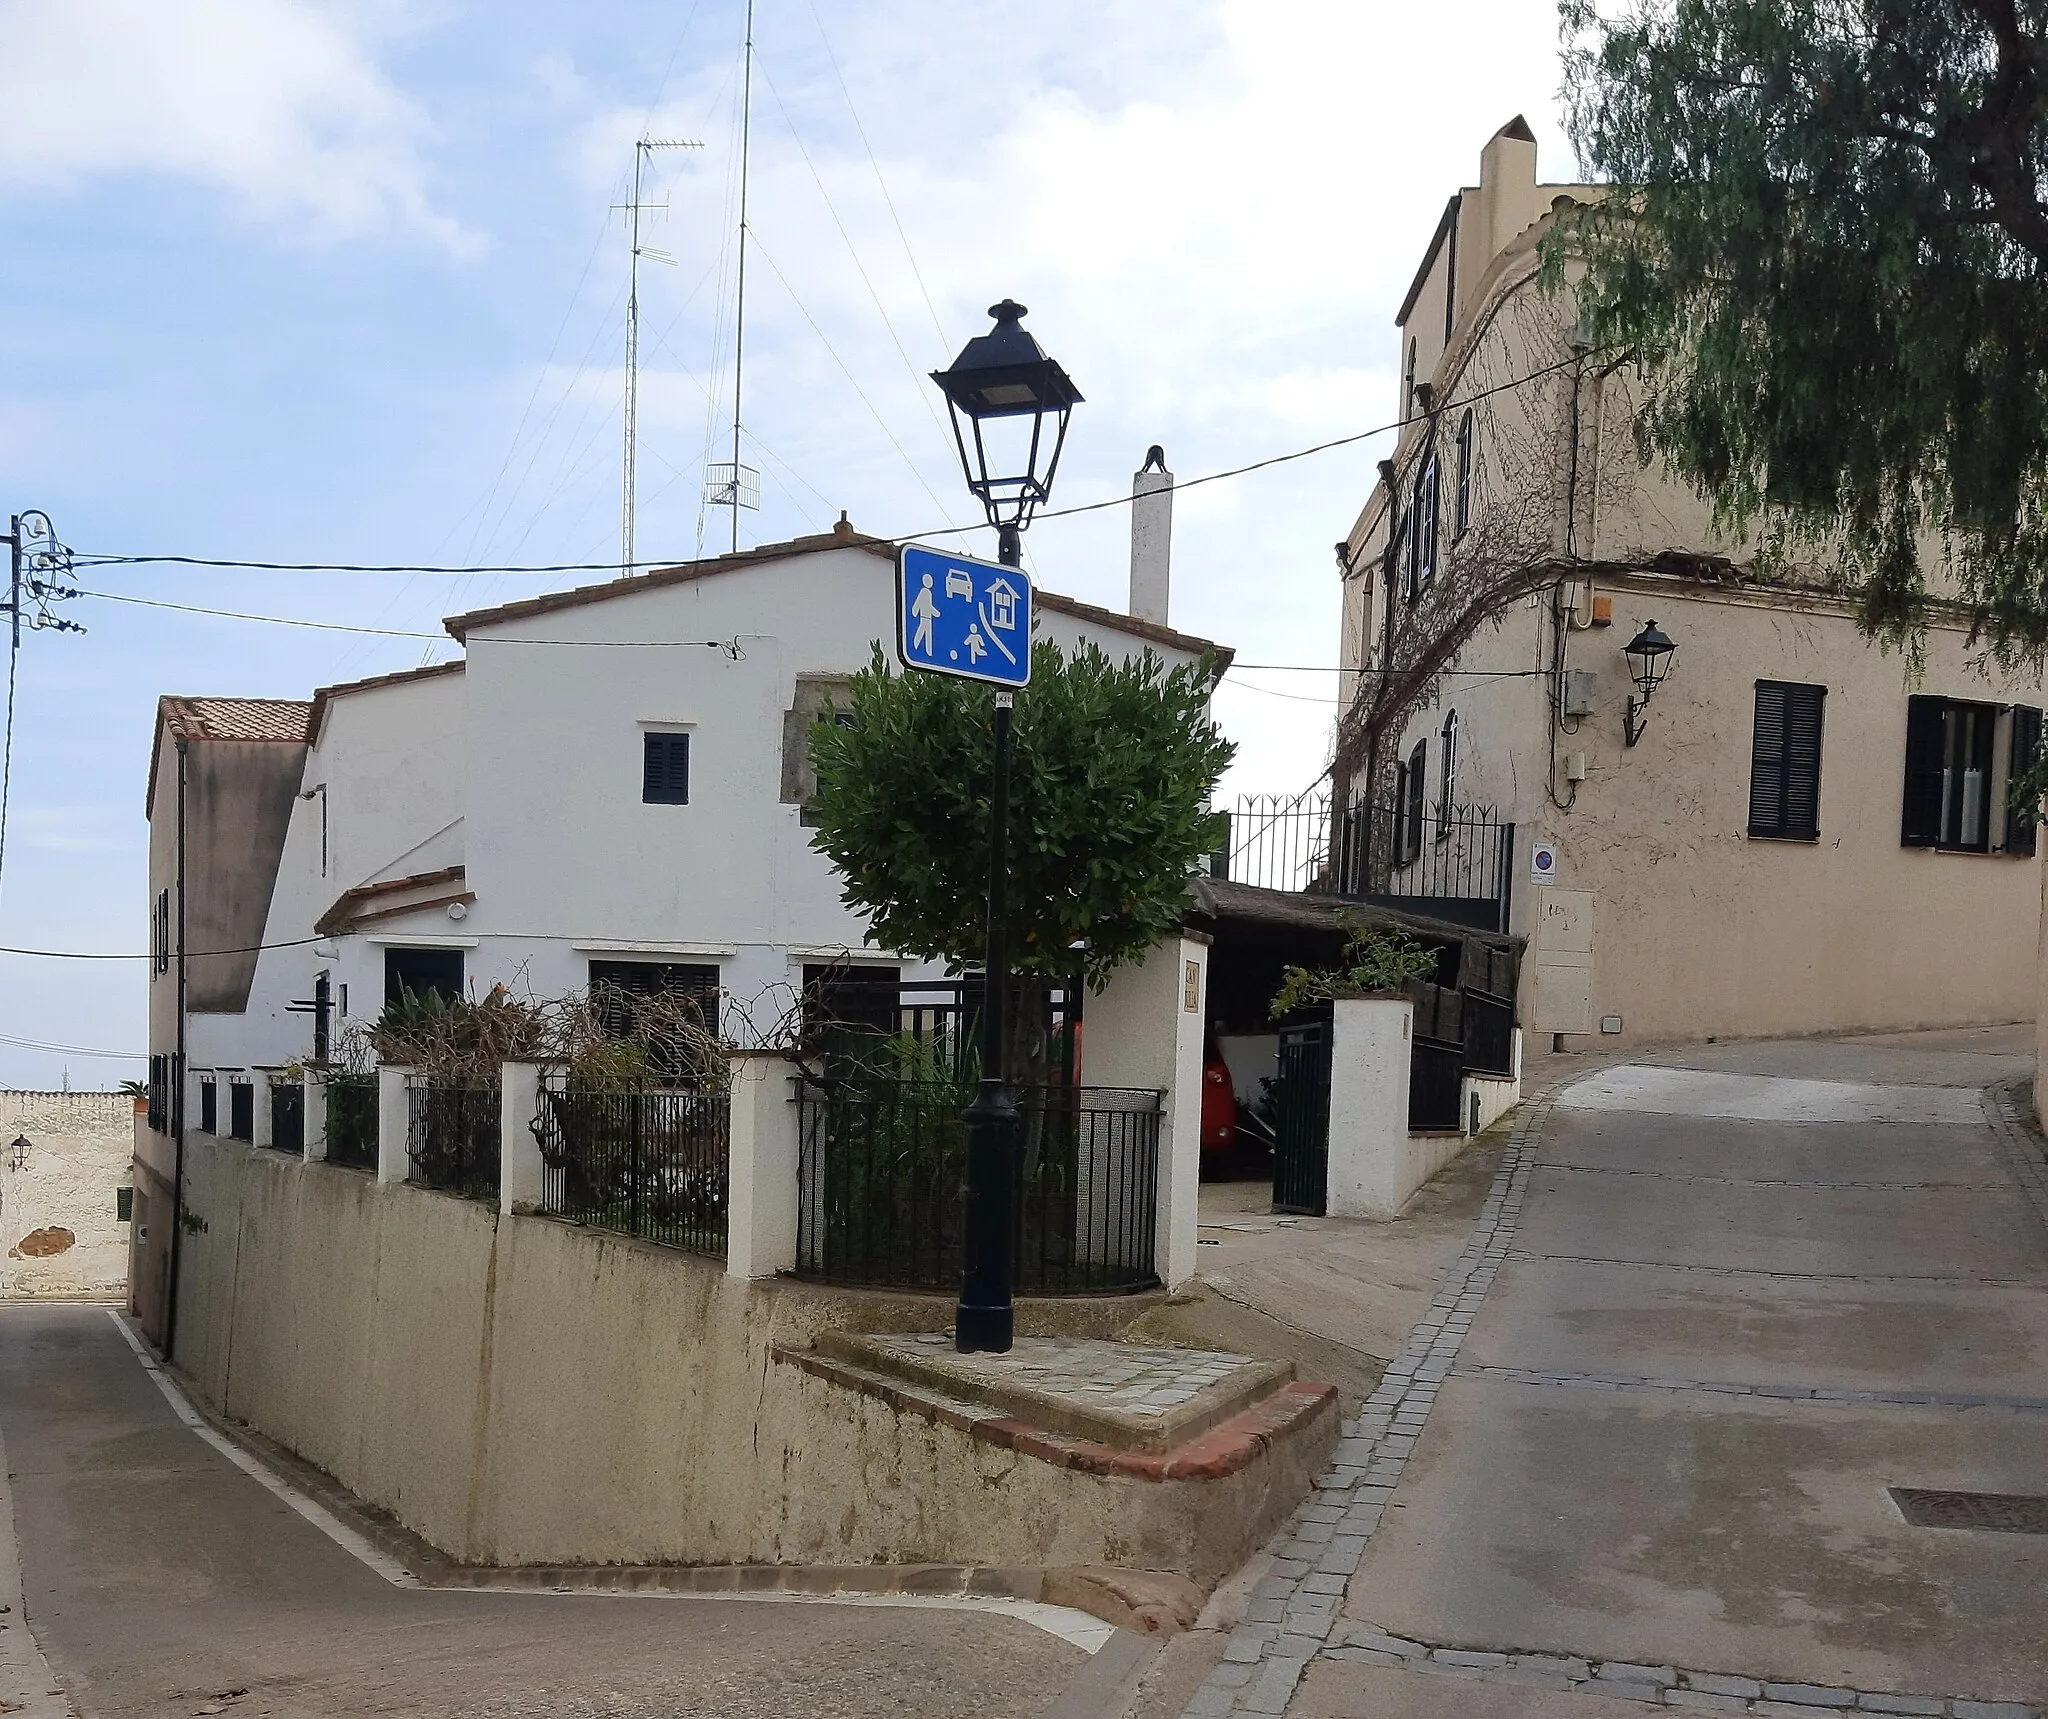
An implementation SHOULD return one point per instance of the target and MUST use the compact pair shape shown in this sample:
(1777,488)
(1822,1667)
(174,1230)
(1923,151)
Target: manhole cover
(1995,1512)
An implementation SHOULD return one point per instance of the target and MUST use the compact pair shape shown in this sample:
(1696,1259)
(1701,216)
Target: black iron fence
(1301,1104)
(929,1030)
(288,1116)
(880,1170)
(351,1120)
(1489,1035)
(1454,863)
(1436,1062)
(651,1163)
(452,1137)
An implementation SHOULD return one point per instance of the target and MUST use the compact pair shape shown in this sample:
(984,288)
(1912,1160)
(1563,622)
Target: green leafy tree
(1825,251)
(1111,766)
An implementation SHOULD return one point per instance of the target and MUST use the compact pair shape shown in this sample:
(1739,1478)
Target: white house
(609,784)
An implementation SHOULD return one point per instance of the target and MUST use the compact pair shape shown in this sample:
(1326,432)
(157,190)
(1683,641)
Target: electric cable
(93,559)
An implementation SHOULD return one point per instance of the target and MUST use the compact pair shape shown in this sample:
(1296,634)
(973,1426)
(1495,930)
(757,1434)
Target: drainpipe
(178,1090)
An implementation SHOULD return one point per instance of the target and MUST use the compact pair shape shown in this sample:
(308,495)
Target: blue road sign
(956,616)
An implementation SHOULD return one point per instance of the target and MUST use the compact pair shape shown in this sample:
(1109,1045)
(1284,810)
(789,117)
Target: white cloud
(279,103)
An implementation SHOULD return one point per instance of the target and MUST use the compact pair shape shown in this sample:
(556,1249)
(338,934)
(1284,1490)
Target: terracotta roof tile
(841,536)
(237,718)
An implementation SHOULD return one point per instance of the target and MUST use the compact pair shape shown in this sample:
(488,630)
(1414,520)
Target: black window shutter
(1920,814)
(665,770)
(1803,707)
(1784,766)
(1767,762)
(2021,820)
(1418,778)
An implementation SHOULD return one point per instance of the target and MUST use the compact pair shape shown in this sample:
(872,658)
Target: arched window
(1448,796)
(1461,515)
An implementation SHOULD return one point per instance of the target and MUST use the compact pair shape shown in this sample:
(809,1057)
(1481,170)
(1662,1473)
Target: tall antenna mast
(739,333)
(641,150)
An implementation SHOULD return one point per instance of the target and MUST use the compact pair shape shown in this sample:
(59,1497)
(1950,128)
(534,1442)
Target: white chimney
(1151,537)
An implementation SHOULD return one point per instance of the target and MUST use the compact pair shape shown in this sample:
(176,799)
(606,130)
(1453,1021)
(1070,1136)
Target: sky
(344,281)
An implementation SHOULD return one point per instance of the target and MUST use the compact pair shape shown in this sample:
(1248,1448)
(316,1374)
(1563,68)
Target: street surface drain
(1994,1512)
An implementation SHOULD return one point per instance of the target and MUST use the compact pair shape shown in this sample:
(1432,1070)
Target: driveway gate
(1301,1152)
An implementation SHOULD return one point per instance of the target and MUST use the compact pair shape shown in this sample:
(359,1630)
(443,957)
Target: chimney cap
(1155,459)
(1518,129)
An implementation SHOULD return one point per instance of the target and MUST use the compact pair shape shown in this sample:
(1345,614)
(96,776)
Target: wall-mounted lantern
(1649,659)
(17,1154)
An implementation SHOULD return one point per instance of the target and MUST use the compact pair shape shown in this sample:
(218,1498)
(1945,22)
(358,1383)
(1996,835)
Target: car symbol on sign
(959,583)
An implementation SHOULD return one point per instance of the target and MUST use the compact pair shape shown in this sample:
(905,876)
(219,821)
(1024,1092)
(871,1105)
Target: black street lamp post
(1002,390)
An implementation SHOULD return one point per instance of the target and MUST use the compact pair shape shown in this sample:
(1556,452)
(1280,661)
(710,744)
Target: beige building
(64,1193)
(1792,833)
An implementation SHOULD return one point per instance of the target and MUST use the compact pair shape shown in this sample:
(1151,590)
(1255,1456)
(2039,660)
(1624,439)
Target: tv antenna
(642,148)
(737,486)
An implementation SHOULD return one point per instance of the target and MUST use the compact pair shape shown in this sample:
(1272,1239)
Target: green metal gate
(1301,1152)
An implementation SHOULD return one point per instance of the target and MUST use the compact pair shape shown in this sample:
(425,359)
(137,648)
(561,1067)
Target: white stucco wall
(526,768)
(59,1236)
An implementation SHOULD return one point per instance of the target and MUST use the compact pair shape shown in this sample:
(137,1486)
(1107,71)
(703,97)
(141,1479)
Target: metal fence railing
(288,1116)
(1436,1061)
(451,1137)
(1489,1035)
(879,1173)
(1454,862)
(352,1120)
(241,1111)
(651,1163)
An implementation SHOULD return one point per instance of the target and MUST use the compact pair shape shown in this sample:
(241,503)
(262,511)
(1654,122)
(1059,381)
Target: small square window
(665,770)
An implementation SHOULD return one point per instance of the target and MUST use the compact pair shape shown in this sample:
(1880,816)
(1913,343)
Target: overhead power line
(84,559)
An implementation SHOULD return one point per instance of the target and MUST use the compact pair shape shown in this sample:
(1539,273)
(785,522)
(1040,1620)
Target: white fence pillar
(315,1103)
(1145,1030)
(394,1120)
(519,1160)
(762,1143)
(1371,1159)
(260,1114)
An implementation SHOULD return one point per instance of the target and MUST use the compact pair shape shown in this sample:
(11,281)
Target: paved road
(160,1579)
(1719,1304)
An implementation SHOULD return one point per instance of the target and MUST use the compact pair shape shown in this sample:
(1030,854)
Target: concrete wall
(1145,1031)
(59,1235)
(1375,1164)
(521,1390)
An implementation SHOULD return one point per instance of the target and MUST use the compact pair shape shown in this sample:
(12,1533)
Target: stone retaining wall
(517,1390)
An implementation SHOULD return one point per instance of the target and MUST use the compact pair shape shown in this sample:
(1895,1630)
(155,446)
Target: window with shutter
(1949,788)
(2023,814)
(1411,814)
(1784,761)
(1920,816)
(665,770)
(1461,515)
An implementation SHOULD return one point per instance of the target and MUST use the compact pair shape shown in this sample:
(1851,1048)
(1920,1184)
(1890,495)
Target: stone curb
(1653,1685)
(1213,1455)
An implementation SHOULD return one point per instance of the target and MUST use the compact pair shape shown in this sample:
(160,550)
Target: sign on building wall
(1543,862)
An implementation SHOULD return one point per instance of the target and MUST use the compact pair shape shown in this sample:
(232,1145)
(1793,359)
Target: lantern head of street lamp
(1649,658)
(1010,404)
